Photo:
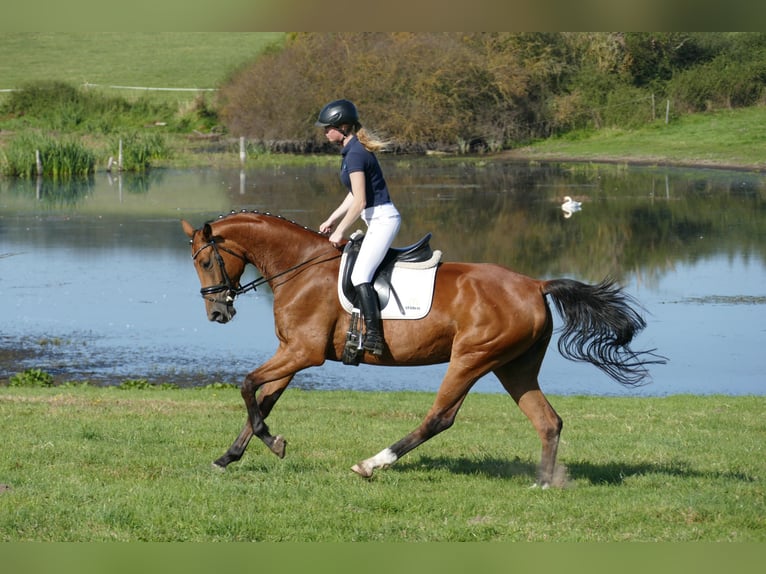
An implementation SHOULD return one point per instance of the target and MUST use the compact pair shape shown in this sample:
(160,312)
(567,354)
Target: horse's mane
(254,212)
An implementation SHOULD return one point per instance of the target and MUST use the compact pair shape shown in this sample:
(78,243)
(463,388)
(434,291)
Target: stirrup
(352,350)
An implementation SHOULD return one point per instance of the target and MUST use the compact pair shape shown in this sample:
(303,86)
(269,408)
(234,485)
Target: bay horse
(484,318)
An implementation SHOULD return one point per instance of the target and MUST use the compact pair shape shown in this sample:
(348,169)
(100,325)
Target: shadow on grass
(489,467)
(609,473)
(616,472)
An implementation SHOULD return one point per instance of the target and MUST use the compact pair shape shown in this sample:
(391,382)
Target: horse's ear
(188,228)
(207,232)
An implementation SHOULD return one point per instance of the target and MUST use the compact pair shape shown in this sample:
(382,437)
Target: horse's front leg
(257,410)
(237,449)
(261,389)
(259,407)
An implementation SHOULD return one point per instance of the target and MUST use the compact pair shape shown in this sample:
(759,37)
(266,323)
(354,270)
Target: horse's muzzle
(220,312)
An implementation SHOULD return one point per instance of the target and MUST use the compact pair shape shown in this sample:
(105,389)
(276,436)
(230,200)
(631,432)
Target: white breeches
(383,223)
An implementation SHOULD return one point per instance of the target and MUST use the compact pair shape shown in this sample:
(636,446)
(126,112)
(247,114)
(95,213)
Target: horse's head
(219,265)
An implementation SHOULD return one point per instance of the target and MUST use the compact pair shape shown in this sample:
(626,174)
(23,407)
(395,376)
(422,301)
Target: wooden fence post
(242,154)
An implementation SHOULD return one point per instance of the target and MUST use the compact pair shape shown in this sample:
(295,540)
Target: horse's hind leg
(520,380)
(440,417)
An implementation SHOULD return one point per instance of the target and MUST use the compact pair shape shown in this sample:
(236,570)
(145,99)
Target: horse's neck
(275,245)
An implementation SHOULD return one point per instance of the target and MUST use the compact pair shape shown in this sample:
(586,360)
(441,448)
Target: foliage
(487,91)
(140,149)
(144,384)
(724,82)
(199,115)
(31,378)
(219,386)
(59,106)
(441,95)
(62,107)
(653,58)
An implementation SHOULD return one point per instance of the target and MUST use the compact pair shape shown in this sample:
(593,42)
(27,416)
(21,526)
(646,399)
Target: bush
(139,149)
(471,91)
(31,378)
(627,107)
(43,100)
(59,106)
(416,89)
(198,115)
(725,82)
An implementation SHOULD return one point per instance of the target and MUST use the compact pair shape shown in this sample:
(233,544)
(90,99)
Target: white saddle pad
(412,289)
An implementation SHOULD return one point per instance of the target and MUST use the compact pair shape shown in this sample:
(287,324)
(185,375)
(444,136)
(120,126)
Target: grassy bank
(94,464)
(724,139)
(732,139)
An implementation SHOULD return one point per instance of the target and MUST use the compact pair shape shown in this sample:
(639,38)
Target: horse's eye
(206,264)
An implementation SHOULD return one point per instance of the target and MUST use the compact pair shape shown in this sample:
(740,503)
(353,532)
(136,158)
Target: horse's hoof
(278,446)
(361,470)
(218,466)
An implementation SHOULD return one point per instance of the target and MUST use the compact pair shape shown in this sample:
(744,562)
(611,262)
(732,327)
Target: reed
(59,159)
(141,149)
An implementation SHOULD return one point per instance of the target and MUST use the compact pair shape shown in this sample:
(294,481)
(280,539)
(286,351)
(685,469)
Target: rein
(233,291)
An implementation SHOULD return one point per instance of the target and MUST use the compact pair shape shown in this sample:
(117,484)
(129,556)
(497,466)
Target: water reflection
(96,282)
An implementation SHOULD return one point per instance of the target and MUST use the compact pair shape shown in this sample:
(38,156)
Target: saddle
(419,252)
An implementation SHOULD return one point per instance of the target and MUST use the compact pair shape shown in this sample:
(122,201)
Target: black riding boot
(370,306)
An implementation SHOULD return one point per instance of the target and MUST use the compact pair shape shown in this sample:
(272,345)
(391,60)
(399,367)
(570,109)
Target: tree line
(487,91)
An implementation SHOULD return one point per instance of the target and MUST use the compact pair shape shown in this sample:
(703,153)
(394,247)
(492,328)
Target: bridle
(227,286)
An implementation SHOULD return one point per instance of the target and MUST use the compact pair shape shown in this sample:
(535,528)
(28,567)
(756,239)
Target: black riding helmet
(338,113)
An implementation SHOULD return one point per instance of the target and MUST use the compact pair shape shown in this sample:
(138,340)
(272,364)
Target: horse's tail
(599,324)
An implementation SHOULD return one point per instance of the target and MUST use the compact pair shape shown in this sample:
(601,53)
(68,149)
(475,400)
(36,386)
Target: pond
(97,284)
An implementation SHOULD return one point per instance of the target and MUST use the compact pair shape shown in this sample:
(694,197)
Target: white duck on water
(570,206)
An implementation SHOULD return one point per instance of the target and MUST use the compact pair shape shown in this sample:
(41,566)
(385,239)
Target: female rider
(367,197)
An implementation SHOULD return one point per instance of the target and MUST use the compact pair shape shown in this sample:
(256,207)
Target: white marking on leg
(382,459)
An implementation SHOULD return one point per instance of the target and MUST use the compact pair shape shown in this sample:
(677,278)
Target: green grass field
(106,464)
(134,59)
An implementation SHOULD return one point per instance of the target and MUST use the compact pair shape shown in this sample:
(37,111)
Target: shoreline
(528,155)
